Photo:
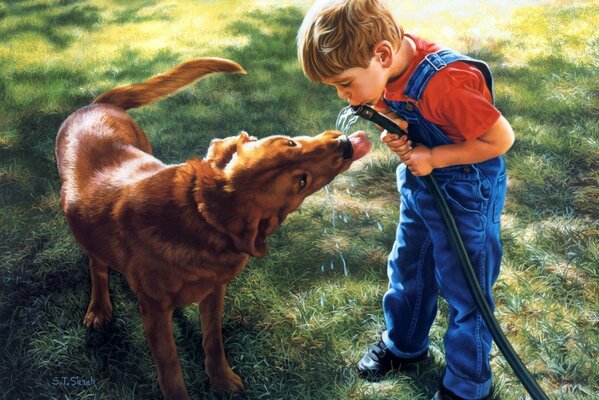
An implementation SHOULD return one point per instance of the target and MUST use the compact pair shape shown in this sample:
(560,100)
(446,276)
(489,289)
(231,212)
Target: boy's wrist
(437,158)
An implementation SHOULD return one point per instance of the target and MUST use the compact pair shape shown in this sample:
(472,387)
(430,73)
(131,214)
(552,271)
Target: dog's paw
(226,381)
(96,315)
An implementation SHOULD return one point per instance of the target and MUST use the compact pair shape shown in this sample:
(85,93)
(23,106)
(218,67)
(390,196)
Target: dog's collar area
(348,150)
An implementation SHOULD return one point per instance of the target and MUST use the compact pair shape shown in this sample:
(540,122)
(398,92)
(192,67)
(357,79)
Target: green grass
(297,320)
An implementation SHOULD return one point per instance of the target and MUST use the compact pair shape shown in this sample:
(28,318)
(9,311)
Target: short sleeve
(459,100)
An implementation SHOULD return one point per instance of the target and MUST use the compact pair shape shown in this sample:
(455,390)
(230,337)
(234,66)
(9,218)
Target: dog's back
(99,148)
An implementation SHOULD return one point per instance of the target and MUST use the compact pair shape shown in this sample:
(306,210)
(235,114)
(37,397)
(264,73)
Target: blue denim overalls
(422,261)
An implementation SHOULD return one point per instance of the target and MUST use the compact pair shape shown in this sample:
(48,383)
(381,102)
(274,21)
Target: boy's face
(360,85)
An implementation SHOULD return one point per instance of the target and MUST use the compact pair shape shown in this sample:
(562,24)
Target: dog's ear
(244,223)
(221,151)
(252,236)
(246,237)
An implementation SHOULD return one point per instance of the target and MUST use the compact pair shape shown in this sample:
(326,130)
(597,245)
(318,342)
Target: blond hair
(337,35)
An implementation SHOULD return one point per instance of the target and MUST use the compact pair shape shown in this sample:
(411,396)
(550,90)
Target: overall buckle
(435,61)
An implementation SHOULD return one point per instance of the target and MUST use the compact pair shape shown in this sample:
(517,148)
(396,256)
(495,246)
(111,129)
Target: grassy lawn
(297,320)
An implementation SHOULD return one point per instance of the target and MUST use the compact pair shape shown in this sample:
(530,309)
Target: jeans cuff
(466,388)
(398,353)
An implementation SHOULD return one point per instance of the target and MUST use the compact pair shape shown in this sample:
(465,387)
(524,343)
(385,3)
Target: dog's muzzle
(346,146)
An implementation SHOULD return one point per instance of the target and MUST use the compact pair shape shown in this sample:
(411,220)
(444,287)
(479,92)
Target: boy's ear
(383,51)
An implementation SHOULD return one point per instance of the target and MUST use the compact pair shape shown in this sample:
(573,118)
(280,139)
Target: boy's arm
(493,143)
(421,160)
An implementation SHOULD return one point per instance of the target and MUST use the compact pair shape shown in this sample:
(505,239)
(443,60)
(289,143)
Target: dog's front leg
(159,333)
(100,308)
(220,373)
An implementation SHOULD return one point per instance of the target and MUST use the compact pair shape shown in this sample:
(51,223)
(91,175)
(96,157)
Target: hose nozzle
(371,114)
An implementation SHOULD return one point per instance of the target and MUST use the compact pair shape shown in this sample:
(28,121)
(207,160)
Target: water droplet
(345,269)
(330,199)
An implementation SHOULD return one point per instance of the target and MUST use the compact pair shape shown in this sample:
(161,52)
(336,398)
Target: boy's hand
(400,145)
(418,159)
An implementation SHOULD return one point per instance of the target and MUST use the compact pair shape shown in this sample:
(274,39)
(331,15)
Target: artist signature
(73,381)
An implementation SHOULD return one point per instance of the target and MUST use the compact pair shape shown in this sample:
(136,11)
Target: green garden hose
(530,384)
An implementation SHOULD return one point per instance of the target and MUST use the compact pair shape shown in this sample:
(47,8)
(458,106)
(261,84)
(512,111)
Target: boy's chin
(370,103)
(362,103)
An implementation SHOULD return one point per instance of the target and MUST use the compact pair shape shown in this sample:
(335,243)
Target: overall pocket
(468,206)
(467,192)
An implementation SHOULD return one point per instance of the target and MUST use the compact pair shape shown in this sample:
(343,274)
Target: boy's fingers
(403,148)
(388,137)
(399,145)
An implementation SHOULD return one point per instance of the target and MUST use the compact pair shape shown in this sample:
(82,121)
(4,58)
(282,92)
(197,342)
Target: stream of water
(345,120)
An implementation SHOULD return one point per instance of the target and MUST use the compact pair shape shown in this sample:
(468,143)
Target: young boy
(445,101)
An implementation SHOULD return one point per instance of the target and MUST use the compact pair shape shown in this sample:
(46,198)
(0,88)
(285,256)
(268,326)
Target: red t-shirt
(456,99)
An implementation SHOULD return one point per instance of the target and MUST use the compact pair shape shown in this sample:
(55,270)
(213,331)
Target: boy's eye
(345,84)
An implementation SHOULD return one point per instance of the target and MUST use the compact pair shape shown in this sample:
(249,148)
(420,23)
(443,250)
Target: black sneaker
(379,360)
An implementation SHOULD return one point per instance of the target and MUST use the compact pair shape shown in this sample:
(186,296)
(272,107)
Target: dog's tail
(159,86)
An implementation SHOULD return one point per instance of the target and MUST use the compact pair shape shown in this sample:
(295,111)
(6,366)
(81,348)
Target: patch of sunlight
(554,30)
(569,272)
(514,90)
(186,28)
(387,388)
(511,277)
(333,305)
(345,202)
(508,221)
(450,22)
(7,141)
(189,30)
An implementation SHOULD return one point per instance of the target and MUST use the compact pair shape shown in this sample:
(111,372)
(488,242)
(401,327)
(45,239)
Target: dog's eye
(303,180)
(291,143)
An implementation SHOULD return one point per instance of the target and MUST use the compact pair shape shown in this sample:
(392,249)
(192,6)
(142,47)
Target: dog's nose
(346,146)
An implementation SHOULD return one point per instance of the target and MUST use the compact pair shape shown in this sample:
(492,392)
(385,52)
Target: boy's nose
(343,94)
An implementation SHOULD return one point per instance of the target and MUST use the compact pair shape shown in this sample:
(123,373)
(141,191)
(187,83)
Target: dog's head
(255,184)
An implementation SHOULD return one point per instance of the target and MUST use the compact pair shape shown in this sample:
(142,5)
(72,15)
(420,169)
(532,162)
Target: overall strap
(434,62)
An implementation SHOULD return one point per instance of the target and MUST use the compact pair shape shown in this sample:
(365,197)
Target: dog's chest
(195,284)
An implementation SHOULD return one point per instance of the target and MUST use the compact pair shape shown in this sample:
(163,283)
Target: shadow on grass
(55,22)
(134,13)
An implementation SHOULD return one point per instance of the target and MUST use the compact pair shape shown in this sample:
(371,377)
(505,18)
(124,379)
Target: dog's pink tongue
(360,143)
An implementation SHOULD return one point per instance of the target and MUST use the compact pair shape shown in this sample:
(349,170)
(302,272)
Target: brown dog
(181,233)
